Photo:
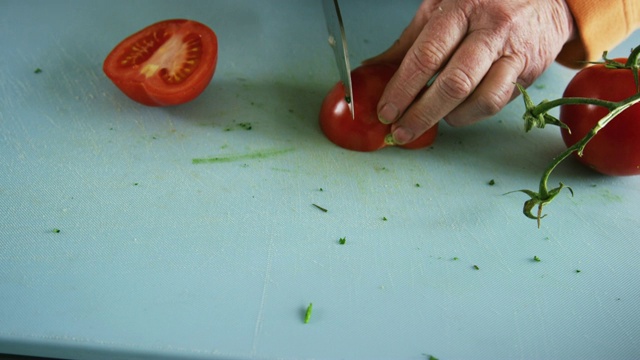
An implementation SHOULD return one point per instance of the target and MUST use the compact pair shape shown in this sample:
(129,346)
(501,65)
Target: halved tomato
(168,63)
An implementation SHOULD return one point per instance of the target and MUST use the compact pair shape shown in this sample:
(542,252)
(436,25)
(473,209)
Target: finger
(399,48)
(493,93)
(455,83)
(432,48)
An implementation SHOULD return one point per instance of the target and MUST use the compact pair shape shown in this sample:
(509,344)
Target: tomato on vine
(365,132)
(599,116)
(615,150)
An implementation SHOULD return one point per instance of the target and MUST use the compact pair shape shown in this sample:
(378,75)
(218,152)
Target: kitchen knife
(338,41)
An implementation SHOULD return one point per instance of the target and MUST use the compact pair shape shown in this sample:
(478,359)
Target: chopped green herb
(492,182)
(578,270)
(321,189)
(342,241)
(476,267)
(307,314)
(536,258)
(320,207)
(384,218)
(56,230)
(455,258)
(245,125)
(37,71)
(263,154)
(417,185)
(135,184)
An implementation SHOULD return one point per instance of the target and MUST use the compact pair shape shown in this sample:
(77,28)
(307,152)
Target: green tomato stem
(537,115)
(618,107)
(632,63)
(545,106)
(545,195)
(632,60)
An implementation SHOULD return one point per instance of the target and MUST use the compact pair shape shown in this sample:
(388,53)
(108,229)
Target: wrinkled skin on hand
(479,49)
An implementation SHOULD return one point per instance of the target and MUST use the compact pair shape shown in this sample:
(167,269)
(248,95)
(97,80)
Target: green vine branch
(537,116)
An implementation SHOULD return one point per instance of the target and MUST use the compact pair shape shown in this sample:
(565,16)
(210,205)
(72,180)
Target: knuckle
(492,102)
(456,85)
(428,57)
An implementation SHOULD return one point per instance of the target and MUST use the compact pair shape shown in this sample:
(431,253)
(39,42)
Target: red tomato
(168,63)
(365,132)
(615,150)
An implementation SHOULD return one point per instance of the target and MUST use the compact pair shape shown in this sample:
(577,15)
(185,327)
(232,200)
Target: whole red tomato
(615,150)
(168,63)
(365,132)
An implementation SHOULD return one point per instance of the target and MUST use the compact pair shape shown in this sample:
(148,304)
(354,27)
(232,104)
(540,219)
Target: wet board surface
(161,256)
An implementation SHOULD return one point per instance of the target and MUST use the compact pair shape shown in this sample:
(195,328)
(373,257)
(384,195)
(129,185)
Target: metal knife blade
(338,41)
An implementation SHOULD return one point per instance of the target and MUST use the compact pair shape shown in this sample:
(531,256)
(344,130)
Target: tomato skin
(615,150)
(365,132)
(175,75)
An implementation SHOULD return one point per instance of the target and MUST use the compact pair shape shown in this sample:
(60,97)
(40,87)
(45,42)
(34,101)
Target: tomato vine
(538,116)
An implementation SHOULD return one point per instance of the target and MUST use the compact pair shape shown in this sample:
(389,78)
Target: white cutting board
(158,257)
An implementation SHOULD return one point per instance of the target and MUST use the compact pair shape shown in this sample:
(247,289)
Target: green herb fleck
(417,185)
(320,207)
(492,182)
(342,241)
(56,231)
(578,270)
(536,258)
(231,158)
(476,267)
(37,71)
(135,184)
(245,125)
(321,189)
(384,218)
(455,258)
(307,314)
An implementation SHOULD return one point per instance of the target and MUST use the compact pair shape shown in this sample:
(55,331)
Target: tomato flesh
(615,150)
(365,132)
(168,63)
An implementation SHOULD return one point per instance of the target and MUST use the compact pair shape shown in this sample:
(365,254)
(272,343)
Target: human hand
(479,49)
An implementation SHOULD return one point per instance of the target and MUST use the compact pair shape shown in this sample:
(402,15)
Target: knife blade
(338,42)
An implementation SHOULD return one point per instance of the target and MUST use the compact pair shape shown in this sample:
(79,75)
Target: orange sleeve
(600,26)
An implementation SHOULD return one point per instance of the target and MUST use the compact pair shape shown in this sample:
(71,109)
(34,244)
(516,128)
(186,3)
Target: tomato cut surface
(615,150)
(168,63)
(365,132)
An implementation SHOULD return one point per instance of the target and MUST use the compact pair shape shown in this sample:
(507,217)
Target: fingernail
(388,114)
(402,135)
